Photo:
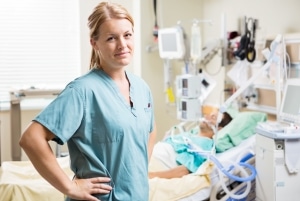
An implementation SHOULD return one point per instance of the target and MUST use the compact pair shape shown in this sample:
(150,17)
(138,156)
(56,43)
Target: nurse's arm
(151,142)
(34,141)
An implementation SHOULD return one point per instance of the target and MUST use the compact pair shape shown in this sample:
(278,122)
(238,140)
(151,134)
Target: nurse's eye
(111,38)
(128,35)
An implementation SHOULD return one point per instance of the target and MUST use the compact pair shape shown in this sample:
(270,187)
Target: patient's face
(212,118)
(206,126)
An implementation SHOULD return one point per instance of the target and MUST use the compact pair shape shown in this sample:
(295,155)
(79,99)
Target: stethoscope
(247,43)
(250,34)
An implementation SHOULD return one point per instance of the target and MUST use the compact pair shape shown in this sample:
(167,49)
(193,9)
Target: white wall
(169,13)
(275,17)
(86,7)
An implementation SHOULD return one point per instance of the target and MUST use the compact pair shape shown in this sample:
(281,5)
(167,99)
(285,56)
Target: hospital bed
(204,187)
(20,181)
(207,185)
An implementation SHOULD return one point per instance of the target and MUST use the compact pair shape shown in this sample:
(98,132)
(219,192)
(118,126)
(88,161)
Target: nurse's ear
(93,43)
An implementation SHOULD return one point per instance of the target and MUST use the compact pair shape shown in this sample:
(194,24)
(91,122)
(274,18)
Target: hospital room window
(39,44)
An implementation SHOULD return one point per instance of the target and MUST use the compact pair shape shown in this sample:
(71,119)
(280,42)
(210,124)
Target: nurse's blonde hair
(102,12)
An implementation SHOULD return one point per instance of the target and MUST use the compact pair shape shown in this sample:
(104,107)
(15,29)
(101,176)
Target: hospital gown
(185,151)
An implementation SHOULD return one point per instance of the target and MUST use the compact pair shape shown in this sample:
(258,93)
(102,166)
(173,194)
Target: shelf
(262,108)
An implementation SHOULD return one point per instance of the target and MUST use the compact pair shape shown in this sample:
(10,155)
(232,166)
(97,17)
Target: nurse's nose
(122,43)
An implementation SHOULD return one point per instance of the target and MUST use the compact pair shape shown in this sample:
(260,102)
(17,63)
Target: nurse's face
(115,44)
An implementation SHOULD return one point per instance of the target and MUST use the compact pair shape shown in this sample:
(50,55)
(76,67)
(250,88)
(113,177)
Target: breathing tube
(245,176)
(225,171)
(210,155)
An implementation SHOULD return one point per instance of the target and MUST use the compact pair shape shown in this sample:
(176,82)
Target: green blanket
(240,128)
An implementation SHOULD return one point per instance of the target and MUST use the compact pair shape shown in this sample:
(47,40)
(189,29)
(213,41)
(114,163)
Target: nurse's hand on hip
(83,189)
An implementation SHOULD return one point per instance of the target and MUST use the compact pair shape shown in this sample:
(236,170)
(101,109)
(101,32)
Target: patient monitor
(290,109)
(277,150)
(171,43)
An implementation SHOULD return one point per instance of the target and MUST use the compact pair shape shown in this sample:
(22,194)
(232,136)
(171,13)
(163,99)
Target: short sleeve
(63,115)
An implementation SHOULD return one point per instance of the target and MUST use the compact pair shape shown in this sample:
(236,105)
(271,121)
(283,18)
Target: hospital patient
(204,138)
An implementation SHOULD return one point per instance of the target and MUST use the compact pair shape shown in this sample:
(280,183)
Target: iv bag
(196,46)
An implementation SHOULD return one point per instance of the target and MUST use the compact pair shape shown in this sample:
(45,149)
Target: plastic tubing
(247,157)
(227,172)
(247,179)
(231,176)
(196,46)
(228,192)
(222,171)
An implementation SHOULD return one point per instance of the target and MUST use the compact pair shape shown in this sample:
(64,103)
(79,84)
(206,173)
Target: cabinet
(273,181)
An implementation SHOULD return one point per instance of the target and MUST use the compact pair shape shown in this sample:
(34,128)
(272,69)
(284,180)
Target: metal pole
(15,118)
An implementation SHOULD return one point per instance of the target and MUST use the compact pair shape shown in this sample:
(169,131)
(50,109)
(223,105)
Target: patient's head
(226,119)
(206,126)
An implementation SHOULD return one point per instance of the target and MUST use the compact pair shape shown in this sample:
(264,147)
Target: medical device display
(188,86)
(189,109)
(188,89)
(277,151)
(171,43)
(290,108)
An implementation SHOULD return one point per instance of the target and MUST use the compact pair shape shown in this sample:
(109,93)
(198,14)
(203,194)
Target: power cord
(155,28)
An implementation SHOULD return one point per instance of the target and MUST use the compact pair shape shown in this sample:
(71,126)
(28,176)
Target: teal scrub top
(106,136)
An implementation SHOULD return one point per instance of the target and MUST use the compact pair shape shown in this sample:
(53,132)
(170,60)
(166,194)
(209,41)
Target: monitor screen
(290,105)
(171,43)
(183,106)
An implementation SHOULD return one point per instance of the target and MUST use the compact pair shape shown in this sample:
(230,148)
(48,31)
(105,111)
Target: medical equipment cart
(277,162)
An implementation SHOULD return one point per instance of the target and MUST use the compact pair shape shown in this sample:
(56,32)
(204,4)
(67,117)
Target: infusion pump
(191,91)
(189,109)
(188,86)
